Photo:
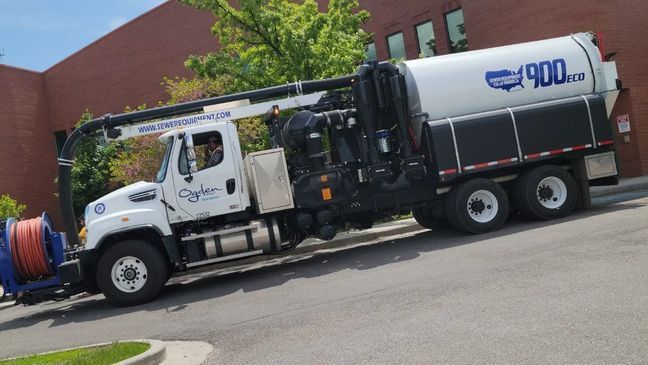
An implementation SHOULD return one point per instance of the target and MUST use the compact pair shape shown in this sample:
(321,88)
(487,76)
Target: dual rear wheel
(481,205)
(546,192)
(477,206)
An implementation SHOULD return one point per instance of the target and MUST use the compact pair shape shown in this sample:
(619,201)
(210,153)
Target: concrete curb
(153,356)
(187,352)
(625,186)
(160,352)
(364,237)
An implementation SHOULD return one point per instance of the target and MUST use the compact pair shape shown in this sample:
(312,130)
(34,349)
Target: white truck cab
(184,188)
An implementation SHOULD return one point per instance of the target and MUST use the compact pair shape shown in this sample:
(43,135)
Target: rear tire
(131,272)
(426,219)
(477,206)
(546,192)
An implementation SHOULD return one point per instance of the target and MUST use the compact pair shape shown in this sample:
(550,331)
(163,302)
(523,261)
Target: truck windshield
(161,174)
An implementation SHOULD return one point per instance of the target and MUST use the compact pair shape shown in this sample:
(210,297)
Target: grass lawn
(108,354)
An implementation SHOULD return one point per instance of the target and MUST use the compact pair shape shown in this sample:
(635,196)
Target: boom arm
(216,113)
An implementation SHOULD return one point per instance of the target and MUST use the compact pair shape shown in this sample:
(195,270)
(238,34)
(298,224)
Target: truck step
(218,233)
(225,258)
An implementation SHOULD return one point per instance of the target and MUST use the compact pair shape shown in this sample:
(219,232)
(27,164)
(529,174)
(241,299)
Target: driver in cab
(214,151)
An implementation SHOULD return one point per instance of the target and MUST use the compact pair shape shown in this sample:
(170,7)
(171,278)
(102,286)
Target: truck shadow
(209,285)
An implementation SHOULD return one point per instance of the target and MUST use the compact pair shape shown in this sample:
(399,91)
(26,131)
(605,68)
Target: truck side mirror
(190,153)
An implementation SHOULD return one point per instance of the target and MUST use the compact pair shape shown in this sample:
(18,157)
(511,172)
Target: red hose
(28,249)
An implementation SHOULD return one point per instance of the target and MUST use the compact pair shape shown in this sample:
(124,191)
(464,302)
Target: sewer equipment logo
(505,79)
(543,74)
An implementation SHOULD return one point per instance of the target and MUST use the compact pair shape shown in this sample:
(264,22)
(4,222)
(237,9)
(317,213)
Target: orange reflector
(324,178)
(326,194)
(125,219)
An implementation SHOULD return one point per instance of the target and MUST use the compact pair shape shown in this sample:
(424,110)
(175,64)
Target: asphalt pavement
(574,290)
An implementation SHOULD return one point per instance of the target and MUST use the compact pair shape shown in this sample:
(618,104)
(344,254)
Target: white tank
(494,78)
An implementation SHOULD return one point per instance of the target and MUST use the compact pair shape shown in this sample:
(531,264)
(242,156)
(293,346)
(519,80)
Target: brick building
(126,66)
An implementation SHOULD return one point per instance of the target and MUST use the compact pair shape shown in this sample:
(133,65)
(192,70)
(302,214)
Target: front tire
(131,272)
(546,192)
(477,206)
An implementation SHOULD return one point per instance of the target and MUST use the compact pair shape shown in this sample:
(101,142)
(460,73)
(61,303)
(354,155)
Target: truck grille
(143,196)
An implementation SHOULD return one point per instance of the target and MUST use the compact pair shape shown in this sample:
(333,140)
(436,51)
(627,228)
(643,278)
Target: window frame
(367,51)
(447,29)
(389,51)
(183,153)
(165,163)
(418,41)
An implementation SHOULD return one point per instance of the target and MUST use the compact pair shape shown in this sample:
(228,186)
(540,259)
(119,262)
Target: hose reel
(29,243)
(33,261)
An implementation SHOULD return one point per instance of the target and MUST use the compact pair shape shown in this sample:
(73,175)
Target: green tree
(136,159)
(253,134)
(10,207)
(91,170)
(272,42)
(181,90)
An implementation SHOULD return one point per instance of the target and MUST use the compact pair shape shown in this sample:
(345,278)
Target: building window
(456,31)
(60,137)
(396,46)
(370,52)
(426,41)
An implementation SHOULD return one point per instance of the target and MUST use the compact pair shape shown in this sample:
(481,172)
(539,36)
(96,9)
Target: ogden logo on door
(202,194)
(543,74)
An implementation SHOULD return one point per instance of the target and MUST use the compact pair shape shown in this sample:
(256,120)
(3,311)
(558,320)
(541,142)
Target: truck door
(215,188)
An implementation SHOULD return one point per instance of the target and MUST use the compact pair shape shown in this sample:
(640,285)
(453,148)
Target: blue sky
(36,34)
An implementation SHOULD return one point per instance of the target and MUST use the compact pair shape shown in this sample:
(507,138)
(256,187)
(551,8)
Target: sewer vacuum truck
(459,140)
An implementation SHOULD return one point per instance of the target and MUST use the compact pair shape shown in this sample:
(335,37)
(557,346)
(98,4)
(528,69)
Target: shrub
(10,207)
